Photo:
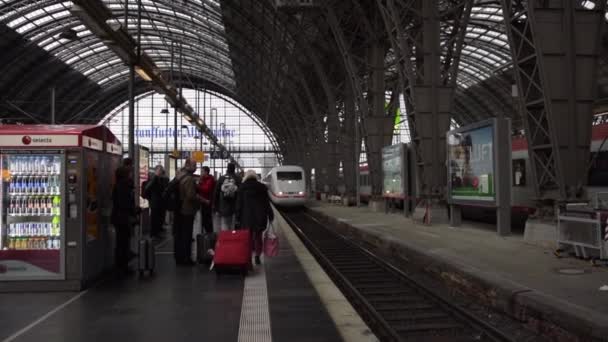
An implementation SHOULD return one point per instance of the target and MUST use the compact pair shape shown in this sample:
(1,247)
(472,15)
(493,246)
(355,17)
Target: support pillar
(350,163)
(428,77)
(555,47)
(378,124)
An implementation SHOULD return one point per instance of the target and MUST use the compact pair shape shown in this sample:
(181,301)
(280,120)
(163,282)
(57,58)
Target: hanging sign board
(198,156)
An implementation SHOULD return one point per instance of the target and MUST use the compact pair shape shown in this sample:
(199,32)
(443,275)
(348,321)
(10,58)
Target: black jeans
(206,219)
(157,221)
(183,237)
(123,245)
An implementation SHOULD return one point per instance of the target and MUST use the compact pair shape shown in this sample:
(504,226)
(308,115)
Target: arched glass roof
(247,49)
(192,30)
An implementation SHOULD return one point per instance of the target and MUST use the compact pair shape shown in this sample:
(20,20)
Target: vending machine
(55,208)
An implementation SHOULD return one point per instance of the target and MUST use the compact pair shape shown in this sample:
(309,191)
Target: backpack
(171,195)
(229,187)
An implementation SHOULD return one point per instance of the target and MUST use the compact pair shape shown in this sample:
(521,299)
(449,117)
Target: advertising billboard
(392,171)
(471,163)
(144,160)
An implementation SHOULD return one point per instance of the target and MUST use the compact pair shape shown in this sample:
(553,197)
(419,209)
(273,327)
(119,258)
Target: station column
(555,47)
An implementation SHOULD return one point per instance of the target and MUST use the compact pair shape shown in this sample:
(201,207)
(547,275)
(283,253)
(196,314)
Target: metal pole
(357,157)
(52,105)
(132,112)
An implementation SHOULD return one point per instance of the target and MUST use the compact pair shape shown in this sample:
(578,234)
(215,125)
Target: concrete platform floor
(525,271)
(177,304)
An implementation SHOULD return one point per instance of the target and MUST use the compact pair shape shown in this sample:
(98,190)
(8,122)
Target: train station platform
(558,297)
(287,298)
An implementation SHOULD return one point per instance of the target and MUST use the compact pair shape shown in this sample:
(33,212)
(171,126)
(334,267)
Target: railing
(581,228)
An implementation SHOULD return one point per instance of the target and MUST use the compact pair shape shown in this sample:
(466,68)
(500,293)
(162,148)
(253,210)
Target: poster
(392,163)
(144,156)
(471,164)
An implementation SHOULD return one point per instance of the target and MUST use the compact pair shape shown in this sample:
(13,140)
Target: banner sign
(471,164)
(191,132)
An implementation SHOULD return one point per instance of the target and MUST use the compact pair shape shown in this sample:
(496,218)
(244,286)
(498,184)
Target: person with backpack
(225,197)
(253,210)
(188,202)
(153,192)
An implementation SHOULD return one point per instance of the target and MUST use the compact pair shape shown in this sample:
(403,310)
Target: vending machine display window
(31,233)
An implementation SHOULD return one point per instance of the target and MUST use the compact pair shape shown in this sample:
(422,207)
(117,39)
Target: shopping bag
(271,242)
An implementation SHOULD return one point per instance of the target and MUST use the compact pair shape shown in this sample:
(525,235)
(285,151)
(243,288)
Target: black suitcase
(147,256)
(204,243)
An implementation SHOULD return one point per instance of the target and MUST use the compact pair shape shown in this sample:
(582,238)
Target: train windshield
(289,176)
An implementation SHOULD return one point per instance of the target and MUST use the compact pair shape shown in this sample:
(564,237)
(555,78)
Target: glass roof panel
(196,26)
(485,47)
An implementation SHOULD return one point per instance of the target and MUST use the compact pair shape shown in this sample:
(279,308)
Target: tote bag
(271,242)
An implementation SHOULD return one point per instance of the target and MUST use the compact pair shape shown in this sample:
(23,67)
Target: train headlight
(280,193)
(301,193)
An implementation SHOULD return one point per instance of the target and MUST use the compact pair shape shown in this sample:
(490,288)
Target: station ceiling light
(143,74)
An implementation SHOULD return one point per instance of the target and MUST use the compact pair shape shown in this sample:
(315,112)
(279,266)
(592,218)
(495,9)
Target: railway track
(394,306)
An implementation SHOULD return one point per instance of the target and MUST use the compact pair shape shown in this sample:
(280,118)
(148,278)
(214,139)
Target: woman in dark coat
(123,215)
(253,210)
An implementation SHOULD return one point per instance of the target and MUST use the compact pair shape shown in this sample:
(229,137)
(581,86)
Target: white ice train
(286,186)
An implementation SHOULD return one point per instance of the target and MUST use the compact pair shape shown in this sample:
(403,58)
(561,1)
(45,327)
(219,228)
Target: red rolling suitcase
(233,251)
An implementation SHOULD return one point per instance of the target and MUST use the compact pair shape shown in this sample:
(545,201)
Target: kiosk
(56,203)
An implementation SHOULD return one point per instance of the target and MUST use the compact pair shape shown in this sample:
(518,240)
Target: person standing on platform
(225,197)
(253,210)
(124,214)
(154,190)
(189,204)
(206,189)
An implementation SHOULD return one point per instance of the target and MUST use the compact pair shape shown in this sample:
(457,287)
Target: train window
(519,172)
(598,173)
(287,176)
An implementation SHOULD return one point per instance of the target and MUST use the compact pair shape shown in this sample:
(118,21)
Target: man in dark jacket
(225,197)
(123,215)
(189,205)
(154,190)
(253,210)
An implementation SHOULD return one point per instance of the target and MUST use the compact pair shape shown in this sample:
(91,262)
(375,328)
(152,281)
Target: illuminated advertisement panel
(392,171)
(471,163)
(144,159)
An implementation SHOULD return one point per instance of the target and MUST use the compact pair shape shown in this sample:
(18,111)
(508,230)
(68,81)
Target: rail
(395,306)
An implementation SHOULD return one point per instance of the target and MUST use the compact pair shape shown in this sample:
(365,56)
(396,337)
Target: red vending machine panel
(31,234)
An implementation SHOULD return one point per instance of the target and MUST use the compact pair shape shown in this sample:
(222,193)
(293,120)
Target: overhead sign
(198,156)
(471,164)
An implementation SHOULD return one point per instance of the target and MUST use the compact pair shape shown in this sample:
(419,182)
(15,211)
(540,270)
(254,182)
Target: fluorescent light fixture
(142,73)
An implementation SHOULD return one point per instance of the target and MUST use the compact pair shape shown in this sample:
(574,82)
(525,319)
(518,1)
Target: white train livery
(286,186)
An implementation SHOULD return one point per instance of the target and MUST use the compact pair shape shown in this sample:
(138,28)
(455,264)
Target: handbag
(271,242)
